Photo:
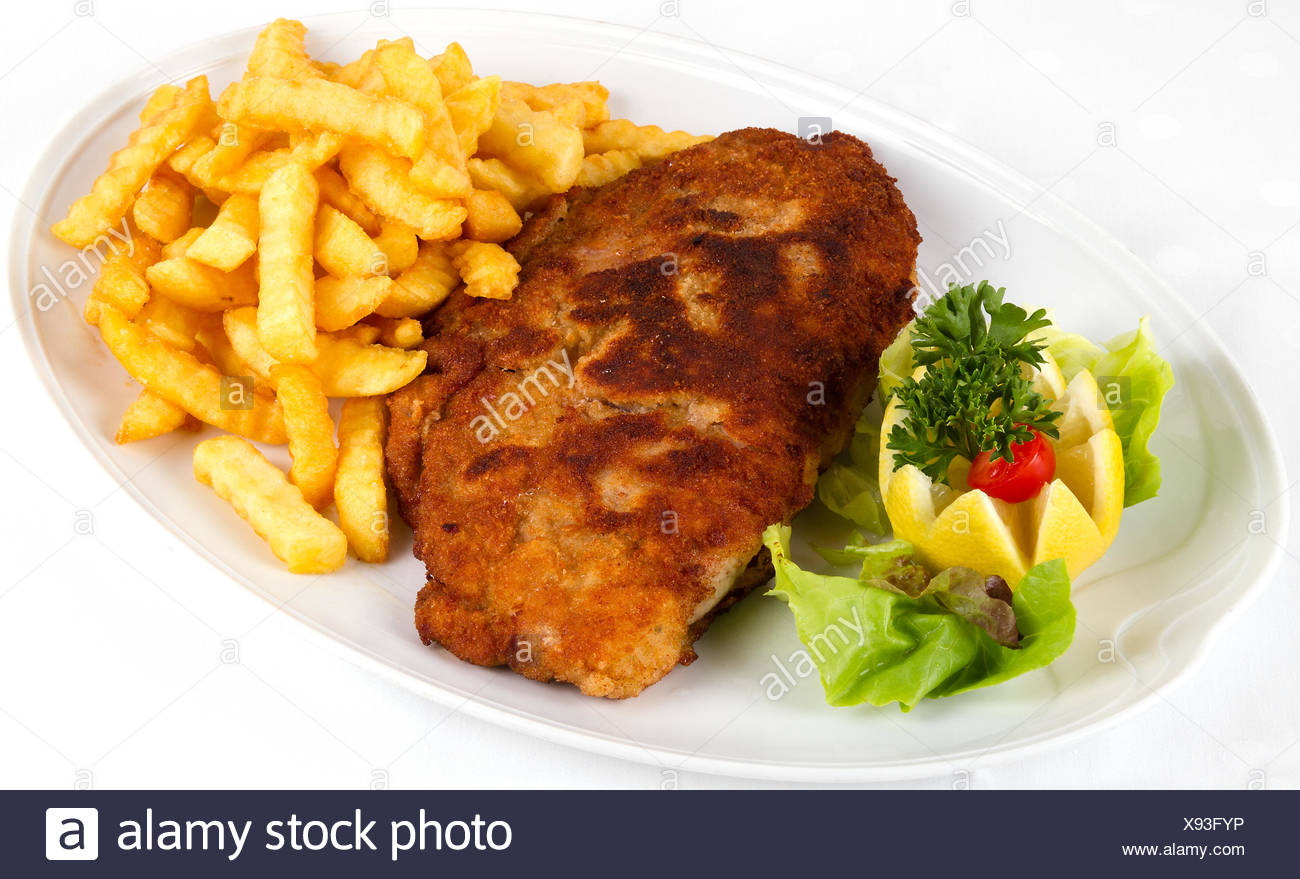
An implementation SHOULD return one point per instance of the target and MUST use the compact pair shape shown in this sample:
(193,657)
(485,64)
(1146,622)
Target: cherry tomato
(1032,466)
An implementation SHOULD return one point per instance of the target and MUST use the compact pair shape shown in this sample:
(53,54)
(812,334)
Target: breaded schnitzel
(589,466)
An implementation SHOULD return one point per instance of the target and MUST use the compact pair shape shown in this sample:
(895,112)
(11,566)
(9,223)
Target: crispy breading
(589,466)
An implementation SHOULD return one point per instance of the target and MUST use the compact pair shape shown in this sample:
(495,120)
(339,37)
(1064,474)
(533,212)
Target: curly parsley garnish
(975,396)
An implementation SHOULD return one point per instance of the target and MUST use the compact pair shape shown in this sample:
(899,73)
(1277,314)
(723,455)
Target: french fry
(235,143)
(591,98)
(359,490)
(184,159)
(121,282)
(347,363)
(601,168)
(175,324)
(452,68)
(316,105)
(311,432)
(148,416)
(361,73)
(231,239)
(362,333)
(522,191)
(162,98)
(649,142)
(181,379)
(201,287)
(490,216)
(298,535)
(341,302)
(280,50)
(382,182)
(344,249)
(163,210)
(535,142)
(335,193)
(181,246)
(131,167)
(440,169)
(240,326)
(399,245)
(310,151)
(286,216)
(471,109)
(398,332)
(350,368)
(488,270)
(423,286)
(212,339)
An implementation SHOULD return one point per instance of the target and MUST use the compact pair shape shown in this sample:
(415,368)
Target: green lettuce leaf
(1072,352)
(1134,380)
(877,645)
(896,363)
(853,490)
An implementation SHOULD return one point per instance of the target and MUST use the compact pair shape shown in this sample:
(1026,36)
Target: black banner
(632,834)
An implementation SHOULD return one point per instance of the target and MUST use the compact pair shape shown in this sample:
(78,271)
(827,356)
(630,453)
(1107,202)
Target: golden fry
(121,282)
(240,325)
(280,50)
(359,490)
(232,237)
(180,378)
(398,332)
(131,167)
(591,98)
(423,286)
(298,535)
(601,168)
(399,245)
(344,249)
(341,302)
(488,270)
(148,416)
(311,432)
(471,109)
(163,97)
(175,324)
(347,363)
(350,368)
(440,169)
(202,287)
(335,193)
(452,68)
(235,143)
(649,142)
(286,326)
(212,339)
(522,191)
(535,142)
(491,217)
(310,151)
(163,210)
(382,182)
(320,105)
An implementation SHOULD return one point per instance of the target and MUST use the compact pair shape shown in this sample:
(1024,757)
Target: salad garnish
(975,396)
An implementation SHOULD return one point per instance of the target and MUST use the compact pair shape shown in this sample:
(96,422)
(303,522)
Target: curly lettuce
(896,634)
(1134,380)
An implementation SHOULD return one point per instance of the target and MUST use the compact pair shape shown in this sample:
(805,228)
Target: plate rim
(102,108)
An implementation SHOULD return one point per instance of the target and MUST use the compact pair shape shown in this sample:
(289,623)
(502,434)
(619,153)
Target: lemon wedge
(1075,517)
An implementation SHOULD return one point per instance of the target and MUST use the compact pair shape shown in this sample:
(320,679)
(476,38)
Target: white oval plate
(1146,613)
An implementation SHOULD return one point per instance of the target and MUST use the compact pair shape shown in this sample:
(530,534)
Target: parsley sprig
(975,396)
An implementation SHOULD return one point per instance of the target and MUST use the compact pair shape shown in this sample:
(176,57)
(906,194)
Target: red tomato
(1032,466)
